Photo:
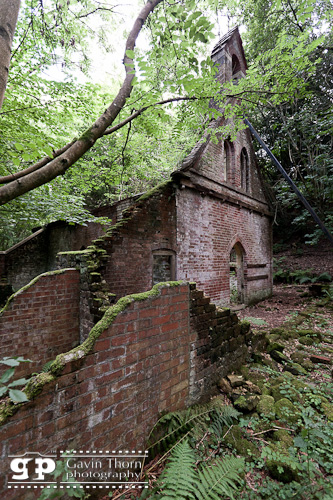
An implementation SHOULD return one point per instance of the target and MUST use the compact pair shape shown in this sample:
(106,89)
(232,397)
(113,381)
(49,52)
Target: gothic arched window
(228,161)
(245,173)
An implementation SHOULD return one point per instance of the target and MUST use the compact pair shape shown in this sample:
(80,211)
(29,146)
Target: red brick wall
(220,345)
(42,320)
(165,350)
(207,230)
(37,253)
(139,368)
(152,227)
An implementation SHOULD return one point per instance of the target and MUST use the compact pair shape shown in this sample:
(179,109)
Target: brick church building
(210,224)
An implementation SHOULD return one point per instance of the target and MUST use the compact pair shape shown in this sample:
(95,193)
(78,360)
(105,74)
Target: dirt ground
(318,258)
(287,301)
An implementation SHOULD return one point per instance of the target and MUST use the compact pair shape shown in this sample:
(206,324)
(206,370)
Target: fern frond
(219,479)
(221,417)
(194,421)
(179,475)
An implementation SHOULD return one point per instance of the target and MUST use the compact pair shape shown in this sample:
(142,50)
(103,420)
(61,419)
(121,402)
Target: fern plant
(181,433)
(192,422)
(182,481)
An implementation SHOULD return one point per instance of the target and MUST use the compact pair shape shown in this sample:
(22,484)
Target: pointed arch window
(228,161)
(235,65)
(236,71)
(245,172)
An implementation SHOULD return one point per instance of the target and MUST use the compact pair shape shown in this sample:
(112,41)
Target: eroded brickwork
(111,398)
(163,351)
(208,228)
(41,321)
(38,253)
(220,345)
(150,228)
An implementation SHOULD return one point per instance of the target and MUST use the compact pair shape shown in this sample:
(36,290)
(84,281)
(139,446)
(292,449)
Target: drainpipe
(290,182)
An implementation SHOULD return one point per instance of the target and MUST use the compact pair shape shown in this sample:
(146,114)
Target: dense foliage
(287,94)
(298,128)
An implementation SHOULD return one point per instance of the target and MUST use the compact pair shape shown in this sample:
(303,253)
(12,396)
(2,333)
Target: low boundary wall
(151,353)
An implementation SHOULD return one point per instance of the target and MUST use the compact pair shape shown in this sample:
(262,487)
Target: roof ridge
(224,39)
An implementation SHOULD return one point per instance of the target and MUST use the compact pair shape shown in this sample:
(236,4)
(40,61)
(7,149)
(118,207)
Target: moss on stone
(110,315)
(277,331)
(246,403)
(295,369)
(280,467)
(280,391)
(286,410)
(285,439)
(328,411)
(289,334)
(266,406)
(278,356)
(306,340)
(275,346)
(7,409)
(36,384)
(308,365)
(245,326)
(256,377)
(310,333)
(297,356)
(155,190)
(297,383)
(244,370)
(237,440)
(75,252)
(274,337)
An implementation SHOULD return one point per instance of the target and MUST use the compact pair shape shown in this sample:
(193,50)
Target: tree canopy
(66,146)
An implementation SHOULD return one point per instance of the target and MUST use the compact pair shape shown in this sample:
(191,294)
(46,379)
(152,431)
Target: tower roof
(220,44)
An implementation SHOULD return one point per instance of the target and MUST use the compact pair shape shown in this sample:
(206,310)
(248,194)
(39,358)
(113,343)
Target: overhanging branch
(40,175)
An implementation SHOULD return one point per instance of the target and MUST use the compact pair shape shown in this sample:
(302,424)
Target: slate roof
(220,44)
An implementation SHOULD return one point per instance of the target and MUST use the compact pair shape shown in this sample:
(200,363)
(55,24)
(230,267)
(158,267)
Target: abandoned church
(113,361)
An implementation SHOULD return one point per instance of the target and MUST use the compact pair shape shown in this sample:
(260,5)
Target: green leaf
(130,53)
(27,156)
(20,381)
(10,361)
(3,391)
(300,443)
(7,375)
(17,396)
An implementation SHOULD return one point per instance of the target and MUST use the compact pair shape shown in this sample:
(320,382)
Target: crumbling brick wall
(155,352)
(151,227)
(41,320)
(37,253)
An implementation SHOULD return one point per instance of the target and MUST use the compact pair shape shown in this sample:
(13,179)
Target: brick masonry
(161,353)
(208,229)
(37,253)
(150,228)
(184,230)
(41,320)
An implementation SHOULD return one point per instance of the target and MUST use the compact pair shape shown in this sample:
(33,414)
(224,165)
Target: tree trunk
(9,10)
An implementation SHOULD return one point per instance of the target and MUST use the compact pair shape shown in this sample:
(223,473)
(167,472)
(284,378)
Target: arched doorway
(236,277)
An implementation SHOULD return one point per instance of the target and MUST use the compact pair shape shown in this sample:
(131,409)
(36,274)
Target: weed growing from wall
(6,387)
